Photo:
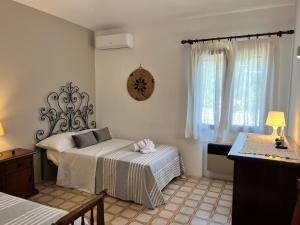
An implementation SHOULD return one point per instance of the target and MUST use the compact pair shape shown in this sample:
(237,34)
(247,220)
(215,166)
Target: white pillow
(58,142)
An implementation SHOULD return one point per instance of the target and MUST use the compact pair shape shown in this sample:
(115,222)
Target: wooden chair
(71,217)
(296,216)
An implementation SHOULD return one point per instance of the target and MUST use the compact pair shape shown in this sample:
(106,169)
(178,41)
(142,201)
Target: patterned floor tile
(171,207)
(191,201)
(187,210)
(129,213)
(159,221)
(220,218)
(197,221)
(115,209)
(181,218)
(144,218)
(203,214)
(166,214)
(119,221)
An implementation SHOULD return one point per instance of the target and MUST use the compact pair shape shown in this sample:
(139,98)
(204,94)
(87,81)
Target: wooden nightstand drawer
(1,184)
(18,164)
(16,172)
(19,182)
(1,178)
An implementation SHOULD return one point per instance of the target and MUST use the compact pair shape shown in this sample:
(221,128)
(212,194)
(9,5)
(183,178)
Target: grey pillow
(84,140)
(102,135)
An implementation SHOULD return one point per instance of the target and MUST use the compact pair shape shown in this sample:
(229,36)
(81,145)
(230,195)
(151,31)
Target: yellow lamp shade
(276,119)
(1,130)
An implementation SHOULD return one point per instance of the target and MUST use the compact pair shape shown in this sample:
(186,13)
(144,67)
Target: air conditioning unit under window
(217,161)
(114,41)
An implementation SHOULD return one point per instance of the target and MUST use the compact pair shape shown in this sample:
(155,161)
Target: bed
(109,165)
(16,211)
(113,166)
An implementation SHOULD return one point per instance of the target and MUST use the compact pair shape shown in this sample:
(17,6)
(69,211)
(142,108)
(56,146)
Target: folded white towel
(147,150)
(150,147)
(144,146)
(135,147)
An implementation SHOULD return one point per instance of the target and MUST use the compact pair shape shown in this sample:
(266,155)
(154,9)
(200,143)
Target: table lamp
(1,130)
(276,119)
(298,52)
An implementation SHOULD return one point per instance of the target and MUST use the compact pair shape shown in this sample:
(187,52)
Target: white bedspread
(77,167)
(53,156)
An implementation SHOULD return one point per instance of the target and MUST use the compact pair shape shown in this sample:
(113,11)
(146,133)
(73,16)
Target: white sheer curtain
(206,82)
(252,87)
(231,87)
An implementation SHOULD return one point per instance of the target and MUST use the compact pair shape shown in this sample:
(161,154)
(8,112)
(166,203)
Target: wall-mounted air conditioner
(114,41)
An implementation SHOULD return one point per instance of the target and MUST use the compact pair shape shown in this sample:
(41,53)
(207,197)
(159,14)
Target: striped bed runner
(17,211)
(138,177)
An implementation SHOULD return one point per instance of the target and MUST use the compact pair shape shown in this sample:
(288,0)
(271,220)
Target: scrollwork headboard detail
(66,110)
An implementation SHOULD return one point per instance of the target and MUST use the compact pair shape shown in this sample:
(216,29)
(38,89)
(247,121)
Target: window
(212,85)
(228,88)
(249,82)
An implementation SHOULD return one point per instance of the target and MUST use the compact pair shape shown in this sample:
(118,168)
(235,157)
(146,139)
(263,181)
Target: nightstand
(16,172)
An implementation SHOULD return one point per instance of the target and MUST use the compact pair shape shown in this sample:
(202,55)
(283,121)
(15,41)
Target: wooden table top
(14,153)
(239,144)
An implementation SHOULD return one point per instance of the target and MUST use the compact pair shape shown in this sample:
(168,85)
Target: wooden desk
(264,188)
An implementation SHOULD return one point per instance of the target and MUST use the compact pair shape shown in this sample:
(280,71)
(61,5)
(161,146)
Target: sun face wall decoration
(140,84)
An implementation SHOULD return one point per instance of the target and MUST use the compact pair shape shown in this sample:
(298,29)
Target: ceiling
(104,14)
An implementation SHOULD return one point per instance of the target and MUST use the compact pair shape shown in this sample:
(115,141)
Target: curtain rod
(278,33)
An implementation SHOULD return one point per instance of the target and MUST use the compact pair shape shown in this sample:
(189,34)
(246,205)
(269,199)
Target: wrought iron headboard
(66,110)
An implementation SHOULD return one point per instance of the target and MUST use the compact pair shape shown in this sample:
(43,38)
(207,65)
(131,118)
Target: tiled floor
(188,201)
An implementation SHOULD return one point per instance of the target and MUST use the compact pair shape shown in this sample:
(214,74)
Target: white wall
(38,54)
(295,91)
(158,49)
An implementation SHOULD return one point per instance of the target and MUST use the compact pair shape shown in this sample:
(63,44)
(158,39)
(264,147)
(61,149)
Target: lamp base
(275,134)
